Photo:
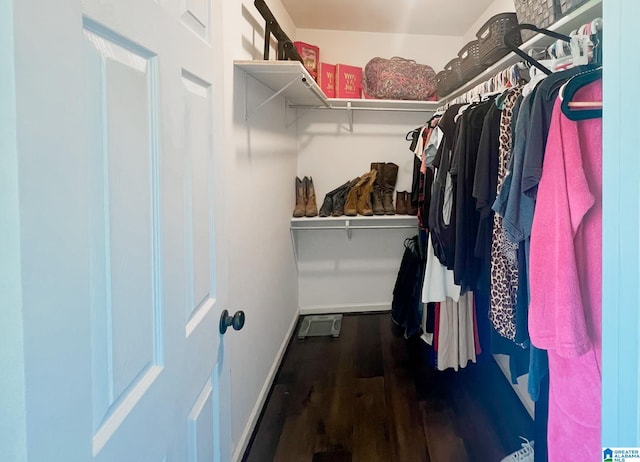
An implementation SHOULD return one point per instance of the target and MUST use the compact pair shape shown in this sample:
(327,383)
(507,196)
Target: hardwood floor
(370,396)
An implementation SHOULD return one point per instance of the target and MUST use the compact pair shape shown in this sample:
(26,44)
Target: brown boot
(301,200)
(311,208)
(401,202)
(378,208)
(340,198)
(364,198)
(351,205)
(389,177)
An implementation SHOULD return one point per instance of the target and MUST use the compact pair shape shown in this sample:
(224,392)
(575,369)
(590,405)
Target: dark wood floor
(370,396)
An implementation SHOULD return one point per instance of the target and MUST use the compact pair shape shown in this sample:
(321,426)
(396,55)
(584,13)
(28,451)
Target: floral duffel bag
(399,78)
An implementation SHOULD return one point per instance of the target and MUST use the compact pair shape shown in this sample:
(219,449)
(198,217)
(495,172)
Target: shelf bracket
(294,245)
(275,95)
(347,228)
(350,118)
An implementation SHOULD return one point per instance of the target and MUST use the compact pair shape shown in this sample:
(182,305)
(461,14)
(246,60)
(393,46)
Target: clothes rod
(320,228)
(300,106)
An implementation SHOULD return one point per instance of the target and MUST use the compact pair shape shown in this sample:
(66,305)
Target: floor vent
(320,326)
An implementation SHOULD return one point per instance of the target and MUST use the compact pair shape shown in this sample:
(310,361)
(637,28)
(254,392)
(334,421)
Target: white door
(121,230)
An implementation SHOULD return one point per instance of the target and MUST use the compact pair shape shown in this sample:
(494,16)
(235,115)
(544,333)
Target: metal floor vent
(320,326)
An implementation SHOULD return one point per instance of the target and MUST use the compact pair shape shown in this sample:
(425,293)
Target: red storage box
(327,79)
(310,55)
(348,81)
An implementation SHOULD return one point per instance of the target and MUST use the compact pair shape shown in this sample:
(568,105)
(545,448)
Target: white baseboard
(337,309)
(242,444)
(521,388)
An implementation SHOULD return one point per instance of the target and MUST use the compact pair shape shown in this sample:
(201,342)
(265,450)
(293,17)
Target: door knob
(236,321)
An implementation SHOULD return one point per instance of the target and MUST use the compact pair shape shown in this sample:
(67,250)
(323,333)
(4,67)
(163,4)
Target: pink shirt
(565,314)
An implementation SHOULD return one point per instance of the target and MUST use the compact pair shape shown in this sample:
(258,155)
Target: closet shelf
(294,82)
(582,15)
(350,223)
(288,78)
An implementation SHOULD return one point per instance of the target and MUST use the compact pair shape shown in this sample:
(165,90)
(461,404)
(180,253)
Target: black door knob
(236,321)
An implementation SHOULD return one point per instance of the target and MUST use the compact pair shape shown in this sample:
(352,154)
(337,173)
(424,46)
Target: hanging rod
(320,228)
(348,227)
(352,108)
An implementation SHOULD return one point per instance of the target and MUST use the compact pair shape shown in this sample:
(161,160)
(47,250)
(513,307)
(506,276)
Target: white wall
(497,7)
(261,172)
(357,48)
(334,271)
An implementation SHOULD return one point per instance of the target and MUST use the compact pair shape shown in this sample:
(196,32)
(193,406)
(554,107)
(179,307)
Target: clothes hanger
(580,110)
(509,42)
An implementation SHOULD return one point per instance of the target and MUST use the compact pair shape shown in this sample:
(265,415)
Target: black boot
(329,198)
(341,197)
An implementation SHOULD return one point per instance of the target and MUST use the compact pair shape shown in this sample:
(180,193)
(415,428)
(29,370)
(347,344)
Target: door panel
(201,427)
(125,304)
(198,168)
(140,285)
(196,16)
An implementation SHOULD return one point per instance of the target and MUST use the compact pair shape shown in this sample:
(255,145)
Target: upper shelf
(303,92)
(299,87)
(292,80)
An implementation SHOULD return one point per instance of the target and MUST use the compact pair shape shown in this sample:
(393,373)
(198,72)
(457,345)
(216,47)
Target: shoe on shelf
(301,199)
(340,198)
(401,203)
(388,182)
(311,208)
(376,195)
(525,454)
(331,200)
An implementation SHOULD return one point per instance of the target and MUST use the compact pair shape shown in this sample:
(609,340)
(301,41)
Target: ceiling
(428,17)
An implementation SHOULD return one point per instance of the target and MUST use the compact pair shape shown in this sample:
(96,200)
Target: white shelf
(348,224)
(582,15)
(299,87)
(302,92)
(358,222)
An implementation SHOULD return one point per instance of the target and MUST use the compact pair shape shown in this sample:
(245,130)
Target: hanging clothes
(565,315)
(456,333)
(484,191)
(504,254)
(463,168)
(406,307)
(441,211)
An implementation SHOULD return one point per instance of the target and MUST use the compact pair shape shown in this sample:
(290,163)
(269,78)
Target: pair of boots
(305,198)
(359,196)
(387,174)
(404,205)
(333,204)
